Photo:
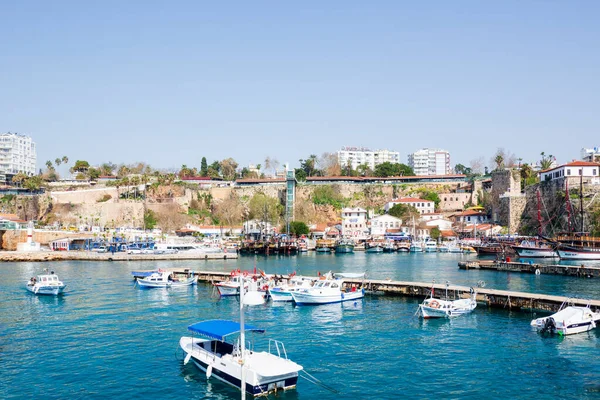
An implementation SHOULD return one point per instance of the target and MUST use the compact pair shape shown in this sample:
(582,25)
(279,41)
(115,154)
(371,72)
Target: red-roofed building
(574,169)
(422,206)
(471,217)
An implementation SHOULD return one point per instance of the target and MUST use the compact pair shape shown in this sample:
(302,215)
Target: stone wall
(11,238)
(506,182)
(454,201)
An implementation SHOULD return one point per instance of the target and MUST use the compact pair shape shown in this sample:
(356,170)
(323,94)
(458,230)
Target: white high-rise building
(430,162)
(590,154)
(17,154)
(356,156)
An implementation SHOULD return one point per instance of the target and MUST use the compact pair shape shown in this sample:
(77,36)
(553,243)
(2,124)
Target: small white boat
(283,291)
(230,287)
(47,284)
(161,279)
(416,247)
(434,307)
(567,321)
(431,246)
(330,289)
(264,372)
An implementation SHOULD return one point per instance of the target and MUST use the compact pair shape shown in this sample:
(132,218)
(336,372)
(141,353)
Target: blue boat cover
(219,328)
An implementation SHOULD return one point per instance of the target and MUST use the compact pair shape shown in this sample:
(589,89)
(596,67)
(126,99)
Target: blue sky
(170,82)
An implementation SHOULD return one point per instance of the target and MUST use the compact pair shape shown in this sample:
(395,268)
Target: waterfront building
(422,206)
(576,170)
(381,224)
(354,223)
(471,217)
(356,156)
(591,155)
(17,154)
(430,162)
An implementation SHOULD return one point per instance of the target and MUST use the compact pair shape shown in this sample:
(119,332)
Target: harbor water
(107,338)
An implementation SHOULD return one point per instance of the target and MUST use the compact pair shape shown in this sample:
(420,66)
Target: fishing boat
(568,321)
(373,247)
(163,279)
(330,288)
(389,246)
(262,372)
(47,284)
(231,286)
(416,247)
(322,248)
(433,307)
(344,246)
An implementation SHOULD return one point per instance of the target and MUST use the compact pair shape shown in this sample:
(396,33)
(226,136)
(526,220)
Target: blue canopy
(219,328)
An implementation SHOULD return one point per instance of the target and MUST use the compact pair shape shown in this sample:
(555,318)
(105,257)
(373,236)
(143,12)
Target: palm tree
(499,160)
(49,165)
(57,161)
(546,161)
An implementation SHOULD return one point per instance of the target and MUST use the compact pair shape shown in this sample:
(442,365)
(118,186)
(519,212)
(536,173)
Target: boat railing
(278,347)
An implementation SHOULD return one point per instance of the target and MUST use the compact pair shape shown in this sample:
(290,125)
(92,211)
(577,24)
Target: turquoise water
(106,338)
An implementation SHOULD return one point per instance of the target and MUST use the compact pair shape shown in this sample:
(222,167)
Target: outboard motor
(549,326)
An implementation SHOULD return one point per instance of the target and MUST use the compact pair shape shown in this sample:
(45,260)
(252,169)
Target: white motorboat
(416,247)
(433,307)
(330,289)
(431,246)
(264,372)
(47,284)
(568,320)
(283,291)
(231,286)
(162,278)
(535,249)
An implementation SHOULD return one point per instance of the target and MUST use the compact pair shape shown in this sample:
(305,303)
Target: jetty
(13,256)
(503,299)
(581,271)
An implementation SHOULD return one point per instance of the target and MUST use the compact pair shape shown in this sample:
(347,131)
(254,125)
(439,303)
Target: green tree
(461,169)
(309,166)
(33,183)
(435,233)
(81,166)
(93,173)
(19,178)
(546,161)
(49,165)
(499,160)
(403,211)
(393,169)
(300,174)
(432,196)
(299,228)
(264,208)
(150,220)
(203,167)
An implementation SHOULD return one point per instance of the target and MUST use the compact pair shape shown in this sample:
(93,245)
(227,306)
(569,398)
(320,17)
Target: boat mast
(568,200)
(242,339)
(581,197)
(539,212)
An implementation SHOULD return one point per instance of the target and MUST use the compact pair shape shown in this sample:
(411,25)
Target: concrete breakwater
(504,299)
(13,256)
(581,271)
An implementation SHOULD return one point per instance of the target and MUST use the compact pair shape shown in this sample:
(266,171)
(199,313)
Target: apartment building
(17,154)
(356,156)
(430,162)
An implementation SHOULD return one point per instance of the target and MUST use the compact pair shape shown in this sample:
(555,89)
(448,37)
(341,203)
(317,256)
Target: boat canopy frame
(219,329)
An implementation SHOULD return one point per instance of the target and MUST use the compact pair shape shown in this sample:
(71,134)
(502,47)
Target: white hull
(265,372)
(436,308)
(534,253)
(305,297)
(280,295)
(46,290)
(578,255)
(569,321)
(146,284)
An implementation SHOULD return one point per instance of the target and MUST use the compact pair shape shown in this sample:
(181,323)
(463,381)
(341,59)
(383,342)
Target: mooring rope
(317,382)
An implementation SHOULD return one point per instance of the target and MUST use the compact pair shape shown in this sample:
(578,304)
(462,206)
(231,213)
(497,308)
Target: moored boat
(567,321)
(262,372)
(283,291)
(433,307)
(330,289)
(163,279)
(535,249)
(344,246)
(46,284)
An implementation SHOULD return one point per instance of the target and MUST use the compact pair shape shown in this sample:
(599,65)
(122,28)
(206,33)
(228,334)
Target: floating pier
(581,271)
(504,299)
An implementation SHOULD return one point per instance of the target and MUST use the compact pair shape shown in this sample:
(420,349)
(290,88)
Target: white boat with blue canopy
(265,371)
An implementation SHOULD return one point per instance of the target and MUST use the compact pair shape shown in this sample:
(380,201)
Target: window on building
(568,172)
(580,173)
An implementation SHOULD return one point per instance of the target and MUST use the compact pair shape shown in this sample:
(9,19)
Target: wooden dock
(581,271)
(503,299)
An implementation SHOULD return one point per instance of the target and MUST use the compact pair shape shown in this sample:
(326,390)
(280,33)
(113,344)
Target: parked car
(101,249)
